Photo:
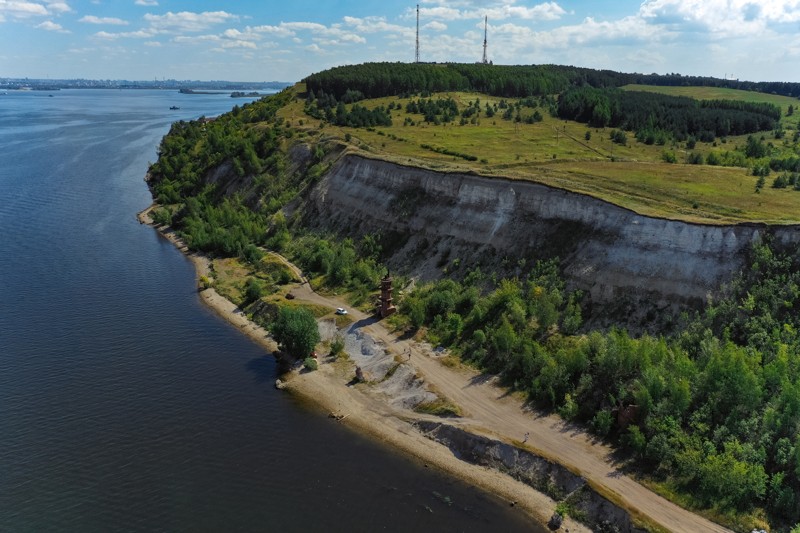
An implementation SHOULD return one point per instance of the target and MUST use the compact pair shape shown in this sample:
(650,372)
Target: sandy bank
(371,411)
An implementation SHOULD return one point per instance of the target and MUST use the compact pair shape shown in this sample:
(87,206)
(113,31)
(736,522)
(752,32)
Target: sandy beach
(380,408)
(370,412)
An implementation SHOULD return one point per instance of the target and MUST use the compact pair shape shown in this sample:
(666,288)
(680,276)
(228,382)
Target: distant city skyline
(252,40)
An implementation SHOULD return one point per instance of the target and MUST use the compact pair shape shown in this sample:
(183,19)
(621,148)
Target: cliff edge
(634,269)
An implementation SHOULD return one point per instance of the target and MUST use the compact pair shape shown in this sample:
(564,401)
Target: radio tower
(485,34)
(416,54)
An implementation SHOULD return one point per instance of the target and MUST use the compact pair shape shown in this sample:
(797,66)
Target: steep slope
(633,267)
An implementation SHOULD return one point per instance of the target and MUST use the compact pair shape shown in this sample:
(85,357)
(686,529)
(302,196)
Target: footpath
(490,410)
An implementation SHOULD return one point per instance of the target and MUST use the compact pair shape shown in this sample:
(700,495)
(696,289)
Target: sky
(286,40)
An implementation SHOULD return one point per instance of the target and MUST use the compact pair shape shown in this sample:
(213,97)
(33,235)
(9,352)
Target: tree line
(376,80)
(677,116)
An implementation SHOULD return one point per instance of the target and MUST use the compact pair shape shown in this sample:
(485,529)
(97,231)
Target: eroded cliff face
(542,474)
(633,267)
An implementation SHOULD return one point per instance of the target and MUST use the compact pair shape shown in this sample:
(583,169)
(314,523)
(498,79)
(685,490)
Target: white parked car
(341,311)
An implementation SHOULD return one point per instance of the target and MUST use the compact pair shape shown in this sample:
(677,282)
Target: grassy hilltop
(698,178)
(716,424)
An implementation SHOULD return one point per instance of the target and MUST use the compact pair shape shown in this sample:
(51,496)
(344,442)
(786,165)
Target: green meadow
(576,157)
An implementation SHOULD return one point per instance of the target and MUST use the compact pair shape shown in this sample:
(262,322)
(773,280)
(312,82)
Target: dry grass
(230,275)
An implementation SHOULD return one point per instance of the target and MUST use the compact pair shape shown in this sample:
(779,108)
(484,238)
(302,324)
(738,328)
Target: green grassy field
(556,152)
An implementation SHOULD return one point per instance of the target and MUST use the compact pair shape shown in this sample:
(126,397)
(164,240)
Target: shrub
(602,422)
(254,289)
(309,363)
(337,346)
(695,158)
(162,216)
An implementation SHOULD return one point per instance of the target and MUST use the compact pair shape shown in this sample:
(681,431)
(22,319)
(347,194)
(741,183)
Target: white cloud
(186,21)
(139,34)
(351,38)
(91,19)
(278,31)
(146,3)
(58,7)
(443,13)
(314,48)
(152,44)
(247,35)
(239,44)
(627,30)
(196,39)
(49,25)
(377,25)
(435,26)
(310,26)
(502,10)
(723,18)
(21,9)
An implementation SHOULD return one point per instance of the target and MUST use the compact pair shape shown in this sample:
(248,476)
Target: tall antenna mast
(416,55)
(485,34)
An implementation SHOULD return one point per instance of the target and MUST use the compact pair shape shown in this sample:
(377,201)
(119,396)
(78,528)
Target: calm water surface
(125,404)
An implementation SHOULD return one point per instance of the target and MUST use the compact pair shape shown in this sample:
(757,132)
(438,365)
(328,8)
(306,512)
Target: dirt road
(489,409)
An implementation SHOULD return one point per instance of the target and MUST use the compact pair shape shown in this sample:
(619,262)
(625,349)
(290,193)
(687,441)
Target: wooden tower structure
(385,306)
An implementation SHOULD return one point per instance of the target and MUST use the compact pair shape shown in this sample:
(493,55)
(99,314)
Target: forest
(712,409)
(206,218)
(585,95)
(678,116)
(375,80)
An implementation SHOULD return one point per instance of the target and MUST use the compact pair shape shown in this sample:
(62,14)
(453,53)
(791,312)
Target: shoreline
(326,390)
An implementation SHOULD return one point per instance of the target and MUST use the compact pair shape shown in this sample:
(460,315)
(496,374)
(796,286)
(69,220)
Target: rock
(555,521)
(617,256)
(280,385)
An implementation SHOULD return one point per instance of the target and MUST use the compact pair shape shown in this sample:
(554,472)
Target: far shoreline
(319,389)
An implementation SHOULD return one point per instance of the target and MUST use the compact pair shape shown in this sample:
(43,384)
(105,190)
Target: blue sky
(266,40)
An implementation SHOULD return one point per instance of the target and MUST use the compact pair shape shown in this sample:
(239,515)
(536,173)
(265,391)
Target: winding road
(491,410)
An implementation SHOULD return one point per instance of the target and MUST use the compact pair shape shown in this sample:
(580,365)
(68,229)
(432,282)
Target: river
(125,404)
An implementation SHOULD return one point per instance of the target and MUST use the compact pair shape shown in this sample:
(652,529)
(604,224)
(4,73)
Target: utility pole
(416,55)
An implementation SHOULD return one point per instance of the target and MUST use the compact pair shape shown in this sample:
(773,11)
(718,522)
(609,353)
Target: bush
(254,290)
(309,363)
(337,346)
(162,216)
(695,158)
(602,423)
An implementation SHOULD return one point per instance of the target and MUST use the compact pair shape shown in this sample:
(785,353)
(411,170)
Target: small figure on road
(527,434)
